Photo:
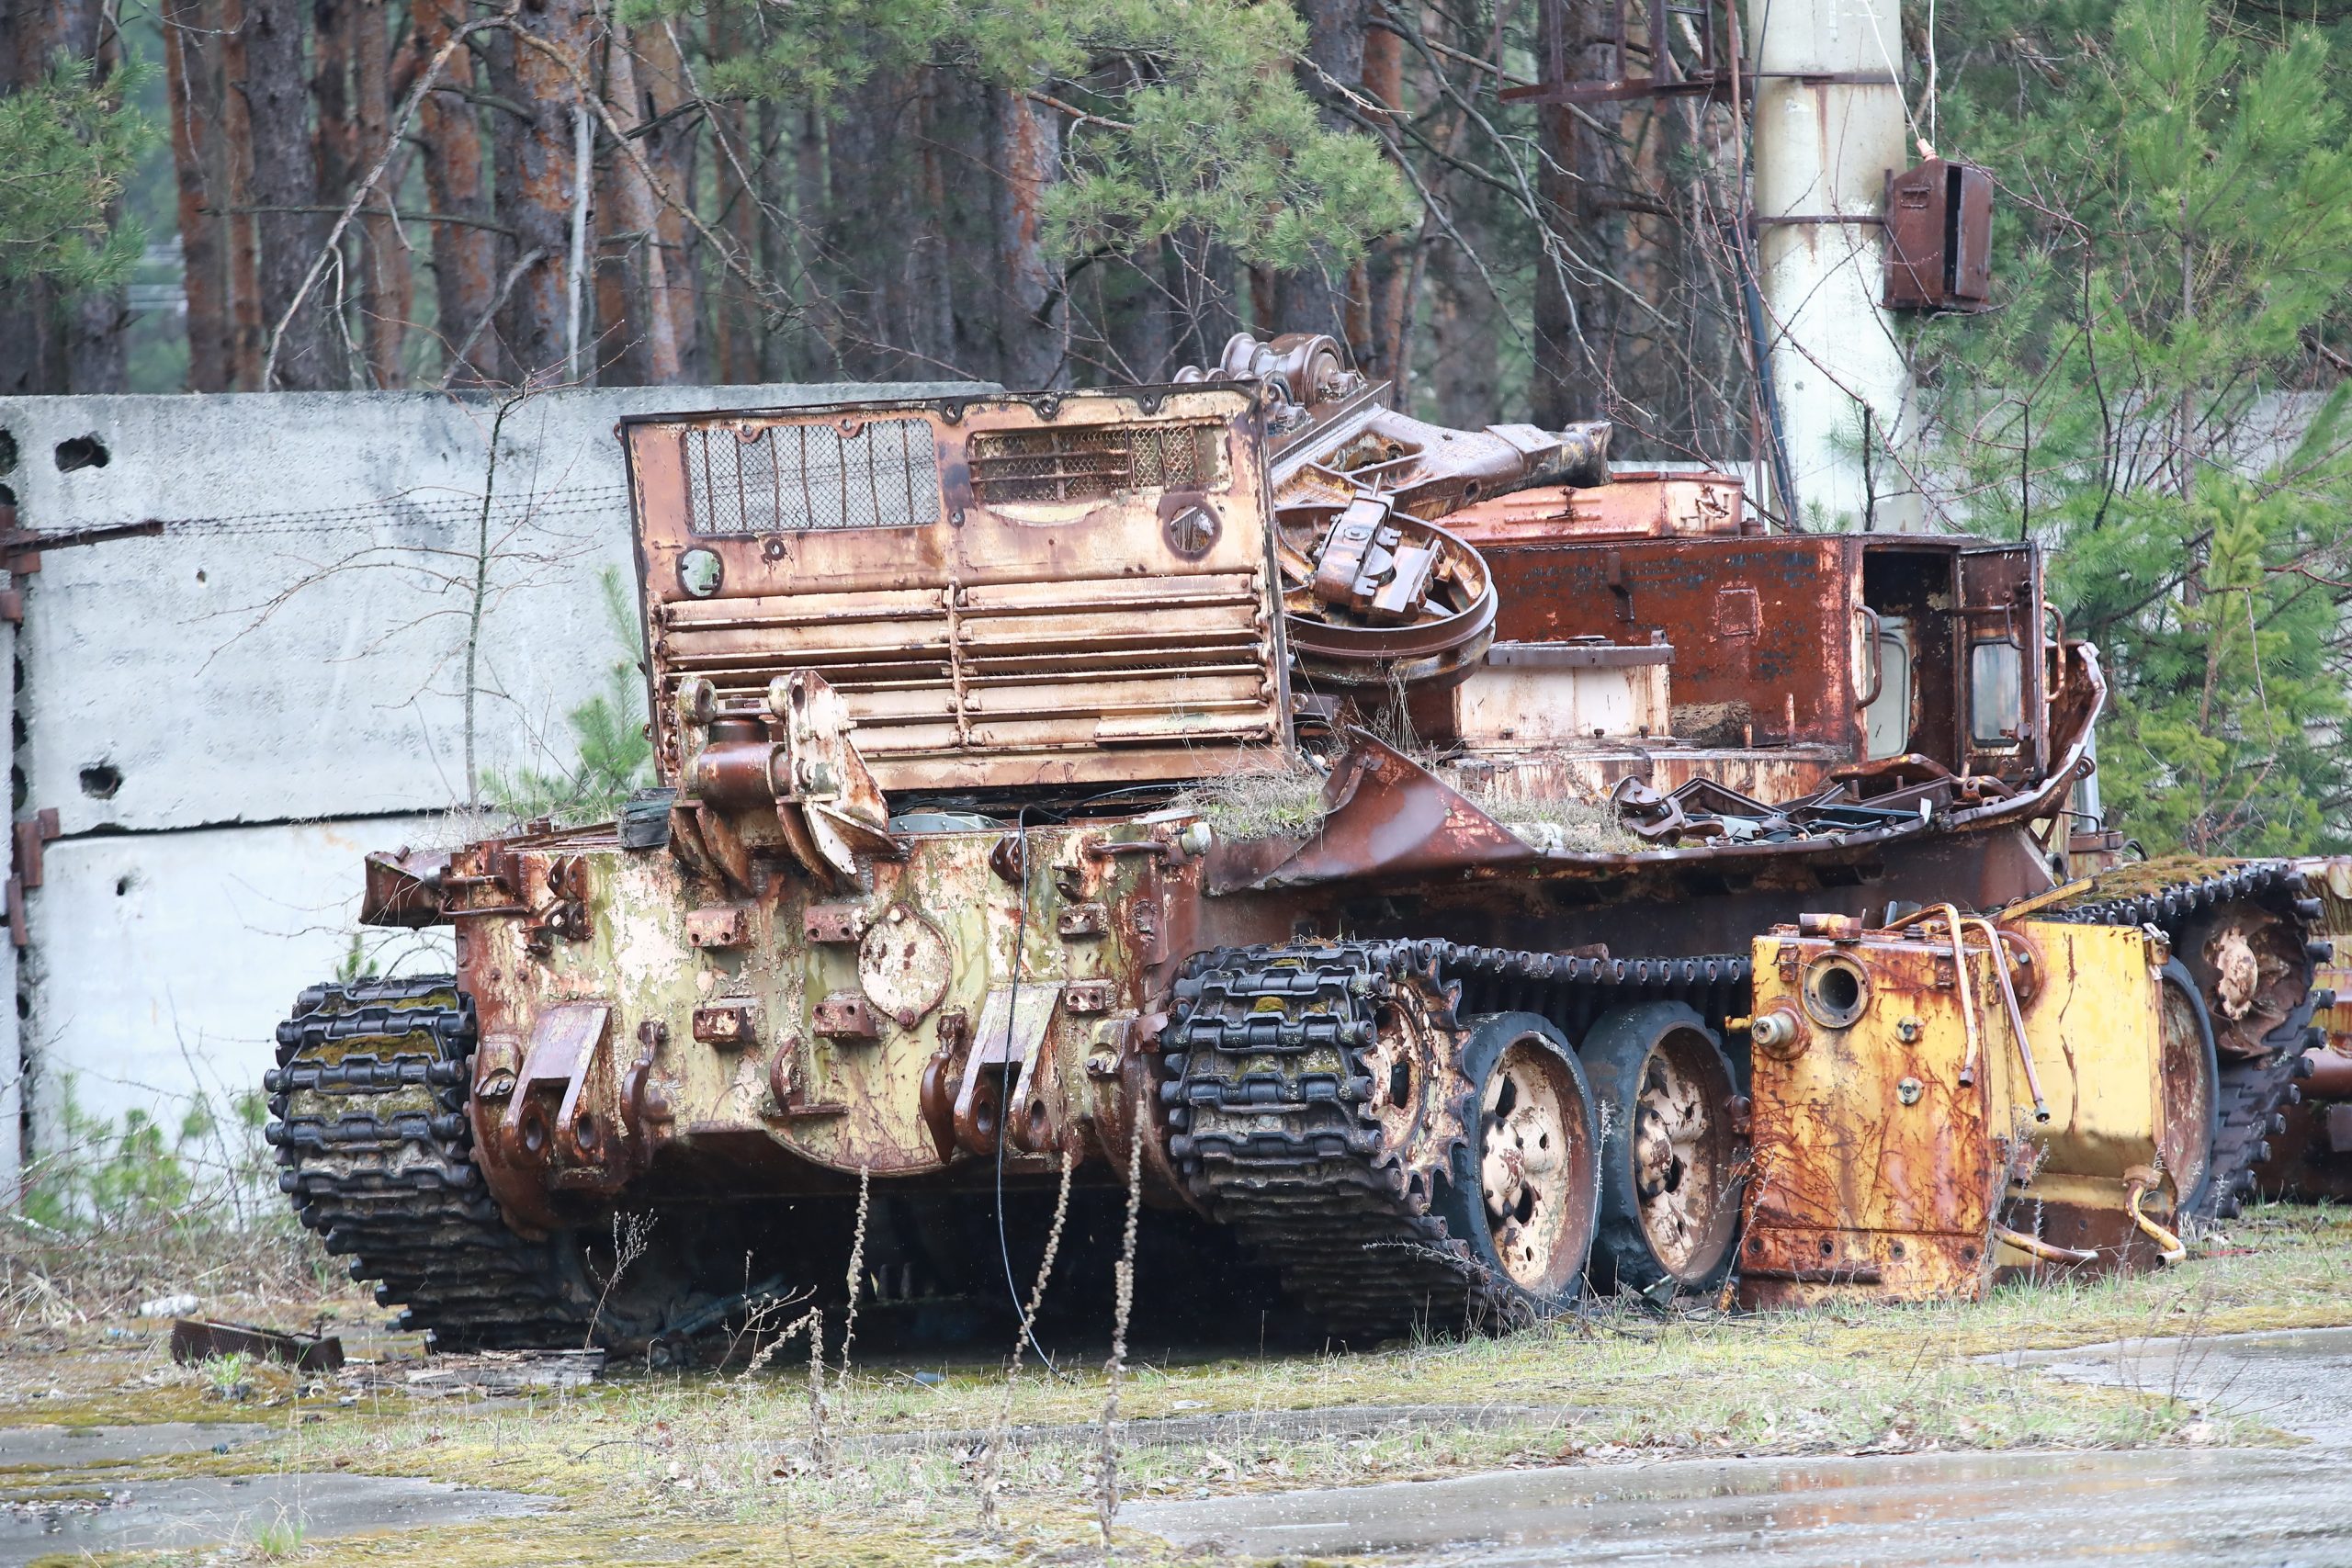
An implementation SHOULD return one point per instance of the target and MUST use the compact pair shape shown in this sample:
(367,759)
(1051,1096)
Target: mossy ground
(663,1467)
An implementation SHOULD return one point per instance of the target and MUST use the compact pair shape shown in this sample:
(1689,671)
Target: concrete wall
(227,716)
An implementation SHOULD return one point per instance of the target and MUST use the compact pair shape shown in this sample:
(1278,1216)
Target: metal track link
(375,1150)
(2254,1090)
(1274,1107)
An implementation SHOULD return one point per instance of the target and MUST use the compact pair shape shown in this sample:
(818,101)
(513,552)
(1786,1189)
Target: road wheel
(1670,1156)
(2192,1094)
(1526,1185)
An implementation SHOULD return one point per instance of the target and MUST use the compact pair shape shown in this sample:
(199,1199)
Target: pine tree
(2155,398)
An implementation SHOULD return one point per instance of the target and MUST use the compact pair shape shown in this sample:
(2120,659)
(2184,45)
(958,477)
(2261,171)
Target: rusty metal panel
(1762,628)
(1062,589)
(1873,1154)
(1940,238)
(1910,1102)
(1631,506)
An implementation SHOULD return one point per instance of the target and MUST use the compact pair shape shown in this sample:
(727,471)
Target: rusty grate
(880,473)
(1089,462)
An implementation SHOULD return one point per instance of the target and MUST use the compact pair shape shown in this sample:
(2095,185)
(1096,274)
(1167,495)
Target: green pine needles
(2156,399)
(67,146)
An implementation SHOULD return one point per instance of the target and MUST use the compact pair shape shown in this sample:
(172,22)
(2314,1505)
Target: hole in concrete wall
(82,452)
(24,1005)
(8,451)
(7,495)
(19,791)
(124,883)
(19,731)
(100,780)
(200,574)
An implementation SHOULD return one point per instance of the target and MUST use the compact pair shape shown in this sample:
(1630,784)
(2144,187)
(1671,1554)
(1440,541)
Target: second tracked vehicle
(1463,875)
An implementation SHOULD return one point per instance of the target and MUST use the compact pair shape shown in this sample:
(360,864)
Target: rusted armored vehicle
(1458,875)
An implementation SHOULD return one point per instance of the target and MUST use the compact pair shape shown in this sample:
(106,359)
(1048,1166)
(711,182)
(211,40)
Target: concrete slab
(155,1516)
(2214,1509)
(68,1448)
(167,959)
(2298,1382)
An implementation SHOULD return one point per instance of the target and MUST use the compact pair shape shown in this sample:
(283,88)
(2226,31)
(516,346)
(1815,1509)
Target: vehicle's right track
(1276,1109)
(2257,1077)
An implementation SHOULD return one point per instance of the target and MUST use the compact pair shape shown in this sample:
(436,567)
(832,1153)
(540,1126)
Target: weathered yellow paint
(1888,1149)
(856,1103)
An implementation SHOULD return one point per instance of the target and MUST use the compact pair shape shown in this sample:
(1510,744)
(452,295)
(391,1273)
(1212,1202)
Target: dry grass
(1558,826)
(696,1468)
(1269,803)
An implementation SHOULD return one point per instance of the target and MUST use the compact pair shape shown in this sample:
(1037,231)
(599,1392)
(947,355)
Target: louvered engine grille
(1038,669)
(1089,462)
(883,473)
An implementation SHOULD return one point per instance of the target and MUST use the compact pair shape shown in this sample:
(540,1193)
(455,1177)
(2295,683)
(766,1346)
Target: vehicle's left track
(376,1151)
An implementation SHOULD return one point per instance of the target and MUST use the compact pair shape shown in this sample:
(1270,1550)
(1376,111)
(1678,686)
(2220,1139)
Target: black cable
(1012,1028)
(1004,1083)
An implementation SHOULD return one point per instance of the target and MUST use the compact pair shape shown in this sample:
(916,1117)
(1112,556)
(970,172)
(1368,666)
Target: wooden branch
(506,285)
(458,218)
(383,161)
(585,88)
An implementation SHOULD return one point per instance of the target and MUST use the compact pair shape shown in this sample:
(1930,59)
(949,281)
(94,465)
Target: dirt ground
(895,1458)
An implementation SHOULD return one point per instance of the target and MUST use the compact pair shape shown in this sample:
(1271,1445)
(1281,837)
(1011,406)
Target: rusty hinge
(17,935)
(31,834)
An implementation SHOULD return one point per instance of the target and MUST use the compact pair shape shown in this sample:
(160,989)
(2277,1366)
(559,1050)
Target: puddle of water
(67,1448)
(2224,1509)
(2159,1509)
(152,1516)
(2298,1380)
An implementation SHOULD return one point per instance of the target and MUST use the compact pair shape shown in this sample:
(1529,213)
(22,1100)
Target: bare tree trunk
(387,289)
(814,354)
(1032,319)
(738,352)
(200,171)
(97,357)
(1314,299)
(1576,316)
(1386,300)
(673,291)
(284,184)
(244,231)
(654,351)
(465,258)
(533,163)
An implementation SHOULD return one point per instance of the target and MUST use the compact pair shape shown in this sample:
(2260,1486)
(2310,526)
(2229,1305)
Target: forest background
(283,195)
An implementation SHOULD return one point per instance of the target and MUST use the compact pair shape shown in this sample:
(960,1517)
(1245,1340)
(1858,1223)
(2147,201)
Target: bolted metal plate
(724,925)
(844,1015)
(729,1024)
(905,965)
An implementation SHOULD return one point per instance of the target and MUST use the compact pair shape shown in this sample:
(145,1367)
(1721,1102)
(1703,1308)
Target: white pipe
(574,288)
(1824,150)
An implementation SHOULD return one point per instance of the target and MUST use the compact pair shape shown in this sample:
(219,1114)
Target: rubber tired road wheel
(1526,1184)
(1669,1157)
(2191,1092)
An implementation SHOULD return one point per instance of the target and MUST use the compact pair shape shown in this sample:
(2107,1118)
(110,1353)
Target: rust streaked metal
(963,709)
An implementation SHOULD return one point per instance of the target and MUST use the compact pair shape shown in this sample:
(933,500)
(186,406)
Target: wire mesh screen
(787,478)
(1090,462)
